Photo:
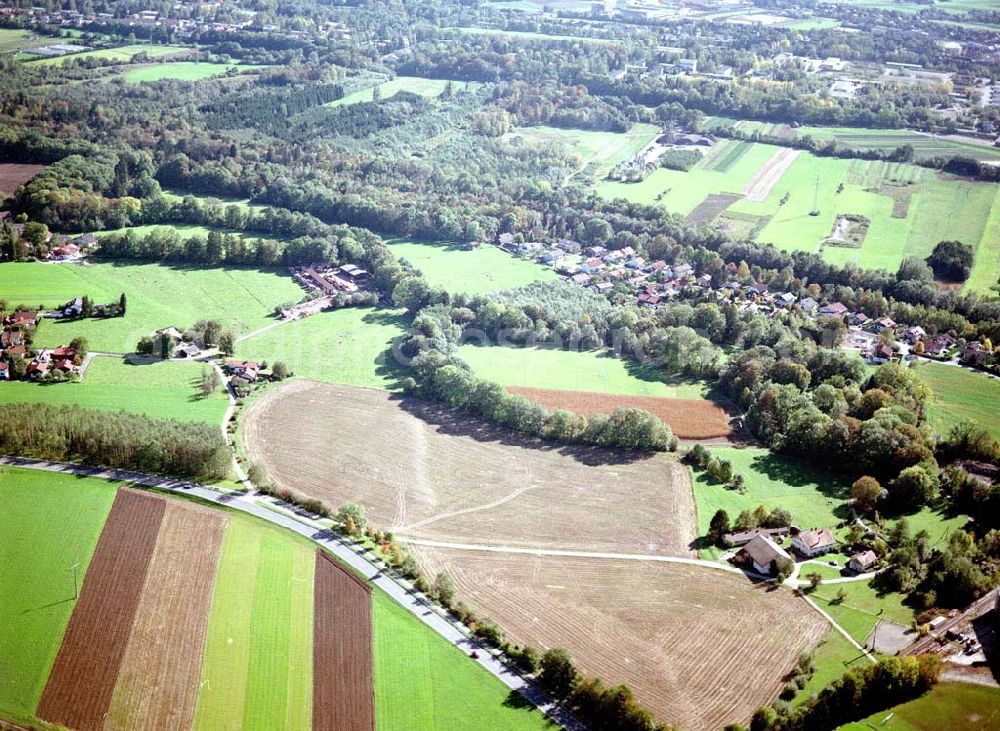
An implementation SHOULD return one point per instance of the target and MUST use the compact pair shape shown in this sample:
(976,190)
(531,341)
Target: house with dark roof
(834,309)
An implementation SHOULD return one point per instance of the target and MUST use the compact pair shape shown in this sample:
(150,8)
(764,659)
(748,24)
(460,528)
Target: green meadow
(49,523)
(158,296)
(455,269)
(165,390)
(859,610)
(959,394)
(348,345)
(180,70)
(599,152)
(569,370)
(412,84)
(121,54)
(946,707)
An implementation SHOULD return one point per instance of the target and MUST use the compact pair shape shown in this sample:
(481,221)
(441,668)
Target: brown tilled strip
(83,676)
(343,689)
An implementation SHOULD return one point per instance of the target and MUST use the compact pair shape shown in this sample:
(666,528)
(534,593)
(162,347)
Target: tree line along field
(182,71)
(205,621)
(161,389)
(960,394)
(456,269)
(910,208)
(158,296)
(119,54)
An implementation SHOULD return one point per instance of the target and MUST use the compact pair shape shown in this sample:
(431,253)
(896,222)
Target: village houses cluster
(19,361)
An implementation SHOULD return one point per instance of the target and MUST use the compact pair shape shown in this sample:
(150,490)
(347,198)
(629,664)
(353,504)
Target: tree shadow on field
(450,421)
(792,472)
(515,700)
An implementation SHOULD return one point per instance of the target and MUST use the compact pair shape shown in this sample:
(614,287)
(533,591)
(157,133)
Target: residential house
(808,304)
(352,272)
(10,338)
(938,346)
(811,543)
(23,318)
(975,354)
(73,308)
(881,353)
(4,369)
(581,279)
(66,251)
(570,247)
(761,552)
(785,299)
(247,369)
(858,319)
(884,323)
(914,334)
(64,352)
(649,300)
(862,561)
(40,365)
(186,350)
(834,309)
(17,352)
(603,287)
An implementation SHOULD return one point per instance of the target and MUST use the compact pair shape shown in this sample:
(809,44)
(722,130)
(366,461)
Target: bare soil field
(700,648)
(13,175)
(429,472)
(343,685)
(769,174)
(687,418)
(158,681)
(83,677)
(709,209)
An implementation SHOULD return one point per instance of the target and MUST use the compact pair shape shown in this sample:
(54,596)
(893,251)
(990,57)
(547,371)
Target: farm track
(82,682)
(769,174)
(158,680)
(343,685)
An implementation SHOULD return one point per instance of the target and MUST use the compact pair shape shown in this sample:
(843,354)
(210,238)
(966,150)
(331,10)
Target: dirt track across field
(343,686)
(83,677)
(158,681)
(698,647)
(687,418)
(14,174)
(769,174)
(429,472)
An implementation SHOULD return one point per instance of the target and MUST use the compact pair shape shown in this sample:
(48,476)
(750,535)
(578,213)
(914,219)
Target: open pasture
(13,175)
(960,394)
(158,296)
(598,152)
(456,269)
(180,70)
(120,54)
(946,707)
(165,390)
(687,418)
(681,636)
(435,474)
(412,84)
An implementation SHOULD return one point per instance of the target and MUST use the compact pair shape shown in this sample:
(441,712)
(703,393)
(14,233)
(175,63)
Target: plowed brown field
(158,681)
(80,686)
(13,175)
(343,688)
(687,418)
(700,648)
(430,472)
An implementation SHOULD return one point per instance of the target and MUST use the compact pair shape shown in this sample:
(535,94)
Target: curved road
(341,549)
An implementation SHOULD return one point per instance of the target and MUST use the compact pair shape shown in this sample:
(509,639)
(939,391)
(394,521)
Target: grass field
(158,296)
(959,394)
(773,481)
(424,683)
(166,390)
(413,84)
(180,70)
(121,54)
(570,370)
(348,345)
(599,152)
(947,707)
(452,267)
(834,656)
(49,523)
(858,612)
(12,40)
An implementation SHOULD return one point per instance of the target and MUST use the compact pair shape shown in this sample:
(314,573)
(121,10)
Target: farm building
(816,542)
(862,561)
(741,538)
(762,552)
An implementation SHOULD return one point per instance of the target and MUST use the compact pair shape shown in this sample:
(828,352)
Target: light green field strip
(986,266)
(120,54)
(453,268)
(422,683)
(257,670)
(166,390)
(348,346)
(413,84)
(573,371)
(182,71)
(959,394)
(48,524)
(158,296)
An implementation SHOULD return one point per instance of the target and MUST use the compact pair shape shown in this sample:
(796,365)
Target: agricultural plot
(598,152)
(50,523)
(80,687)
(412,84)
(166,390)
(960,394)
(13,175)
(435,474)
(425,684)
(455,269)
(680,636)
(121,54)
(349,345)
(158,296)
(180,70)
(344,695)
(946,707)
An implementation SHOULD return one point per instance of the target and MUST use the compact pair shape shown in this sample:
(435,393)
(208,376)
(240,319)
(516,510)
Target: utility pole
(875,630)
(76,593)
(815,210)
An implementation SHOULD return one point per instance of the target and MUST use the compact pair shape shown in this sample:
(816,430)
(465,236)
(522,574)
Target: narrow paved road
(345,551)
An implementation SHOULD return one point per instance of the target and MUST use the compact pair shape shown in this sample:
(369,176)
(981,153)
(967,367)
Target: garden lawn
(180,70)
(814,499)
(946,707)
(858,612)
(455,269)
(257,668)
(49,523)
(960,394)
(569,370)
(413,84)
(349,345)
(158,296)
(165,390)
(424,684)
